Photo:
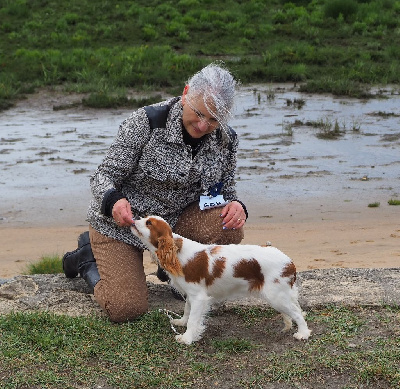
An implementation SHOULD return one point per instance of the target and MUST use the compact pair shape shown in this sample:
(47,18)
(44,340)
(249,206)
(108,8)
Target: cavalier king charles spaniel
(212,273)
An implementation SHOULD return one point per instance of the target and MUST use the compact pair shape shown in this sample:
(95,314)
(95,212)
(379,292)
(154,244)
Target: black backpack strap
(157,115)
(232,137)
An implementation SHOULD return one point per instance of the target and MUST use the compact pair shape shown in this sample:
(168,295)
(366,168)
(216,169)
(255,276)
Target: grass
(107,48)
(326,128)
(350,348)
(394,202)
(375,204)
(47,264)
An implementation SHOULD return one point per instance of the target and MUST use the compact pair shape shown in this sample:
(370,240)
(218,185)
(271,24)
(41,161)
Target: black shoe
(83,239)
(70,260)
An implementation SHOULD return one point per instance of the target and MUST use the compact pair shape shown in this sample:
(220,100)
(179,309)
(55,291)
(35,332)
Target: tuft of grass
(296,103)
(394,202)
(287,128)
(374,205)
(326,128)
(49,264)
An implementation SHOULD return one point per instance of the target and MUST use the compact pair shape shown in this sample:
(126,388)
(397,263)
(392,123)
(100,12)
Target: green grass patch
(376,204)
(48,264)
(150,45)
(233,345)
(394,202)
(349,347)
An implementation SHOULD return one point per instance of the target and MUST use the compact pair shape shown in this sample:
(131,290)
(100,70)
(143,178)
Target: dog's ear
(178,243)
(167,255)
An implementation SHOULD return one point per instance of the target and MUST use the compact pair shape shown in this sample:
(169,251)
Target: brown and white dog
(211,273)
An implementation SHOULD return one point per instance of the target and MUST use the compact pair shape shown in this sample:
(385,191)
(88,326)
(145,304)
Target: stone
(60,295)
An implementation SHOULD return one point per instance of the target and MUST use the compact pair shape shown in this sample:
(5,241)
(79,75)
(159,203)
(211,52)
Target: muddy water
(47,156)
(290,159)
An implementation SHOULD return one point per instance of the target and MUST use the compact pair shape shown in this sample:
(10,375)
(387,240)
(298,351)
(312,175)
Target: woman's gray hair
(216,86)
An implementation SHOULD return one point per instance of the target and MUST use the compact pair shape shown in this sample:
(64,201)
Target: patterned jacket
(154,169)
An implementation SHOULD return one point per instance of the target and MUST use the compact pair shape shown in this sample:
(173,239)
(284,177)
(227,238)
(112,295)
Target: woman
(164,158)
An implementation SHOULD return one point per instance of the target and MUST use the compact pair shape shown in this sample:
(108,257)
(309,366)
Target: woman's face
(195,118)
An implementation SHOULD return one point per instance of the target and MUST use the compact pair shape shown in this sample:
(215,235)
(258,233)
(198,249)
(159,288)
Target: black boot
(82,261)
(71,259)
(90,273)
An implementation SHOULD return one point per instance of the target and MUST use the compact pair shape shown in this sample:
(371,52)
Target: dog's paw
(302,335)
(179,322)
(184,339)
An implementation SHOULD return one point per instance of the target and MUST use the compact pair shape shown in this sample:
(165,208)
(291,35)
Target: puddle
(46,156)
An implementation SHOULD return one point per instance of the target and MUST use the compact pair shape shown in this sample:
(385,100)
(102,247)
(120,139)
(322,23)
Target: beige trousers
(122,290)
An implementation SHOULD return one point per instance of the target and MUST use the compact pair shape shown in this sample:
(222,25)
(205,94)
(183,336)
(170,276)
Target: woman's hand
(122,213)
(233,215)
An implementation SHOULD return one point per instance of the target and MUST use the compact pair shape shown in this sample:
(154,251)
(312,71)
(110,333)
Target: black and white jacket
(154,169)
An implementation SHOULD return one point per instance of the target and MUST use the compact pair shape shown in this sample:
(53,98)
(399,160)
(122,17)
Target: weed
(340,9)
(356,126)
(50,264)
(394,202)
(326,128)
(287,128)
(270,94)
(297,103)
(374,205)
(385,115)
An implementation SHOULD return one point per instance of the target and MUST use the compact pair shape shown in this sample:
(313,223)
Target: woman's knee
(121,307)
(230,236)
(206,226)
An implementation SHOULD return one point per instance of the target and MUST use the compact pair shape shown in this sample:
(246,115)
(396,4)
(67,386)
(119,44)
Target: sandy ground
(315,235)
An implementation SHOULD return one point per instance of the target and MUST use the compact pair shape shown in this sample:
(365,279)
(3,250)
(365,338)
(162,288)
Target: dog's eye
(148,223)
